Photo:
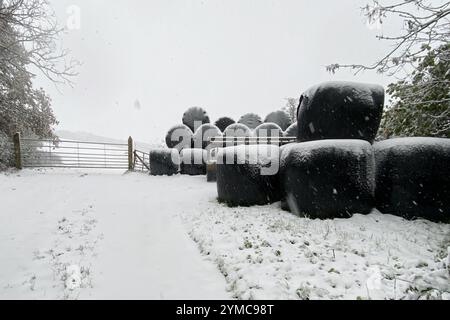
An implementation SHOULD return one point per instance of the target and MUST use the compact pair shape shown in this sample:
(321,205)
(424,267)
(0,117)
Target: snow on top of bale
(164,161)
(340,110)
(279,117)
(172,152)
(237,130)
(251,120)
(411,142)
(164,150)
(268,129)
(223,122)
(193,156)
(259,154)
(204,133)
(308,149)
(292,131)
(421,167)
(179,136)
(357,88)
(181,126)
(194,117)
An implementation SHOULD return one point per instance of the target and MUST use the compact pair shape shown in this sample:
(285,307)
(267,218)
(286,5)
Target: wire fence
(73,154)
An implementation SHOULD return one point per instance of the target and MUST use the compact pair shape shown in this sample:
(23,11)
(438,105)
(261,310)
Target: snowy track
(85,235)
(72,235)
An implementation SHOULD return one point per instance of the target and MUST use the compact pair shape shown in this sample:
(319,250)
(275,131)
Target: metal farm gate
(47,153)
(141,160)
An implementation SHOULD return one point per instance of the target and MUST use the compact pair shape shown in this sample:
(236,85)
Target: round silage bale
(179,137)
(248,175)
(236,131)
(194,117)
(251,120)
(328,178)
(292,131)
(268,130)
(280,118)
(223,122)
(193,162)
(413,178)
(340,110)
(203,135)
(164,162)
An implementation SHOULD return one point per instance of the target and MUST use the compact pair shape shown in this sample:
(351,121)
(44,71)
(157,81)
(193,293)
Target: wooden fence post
(130,153)
(17,153)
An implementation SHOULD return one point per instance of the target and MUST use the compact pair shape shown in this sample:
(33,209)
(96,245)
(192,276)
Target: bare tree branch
(426,26)
(31,26)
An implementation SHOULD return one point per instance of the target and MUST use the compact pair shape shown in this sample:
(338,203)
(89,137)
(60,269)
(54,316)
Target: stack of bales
(335,171)
(330,173)
(193,142)
(181,141)
(322,178)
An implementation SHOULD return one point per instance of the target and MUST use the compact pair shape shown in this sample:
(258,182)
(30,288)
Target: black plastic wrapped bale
(211,171)
(248,175)
(413,177)
(251,120)
(194,117)
(280,117)
(236,130)
(268,130)
(284,203)
(179,137)
(203,135)
(340,110)
(193,162)
(328,178)
(223,123)
(164,162)
(292,131)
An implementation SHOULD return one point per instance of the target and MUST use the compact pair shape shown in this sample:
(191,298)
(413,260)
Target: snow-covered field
(71,234)
(108,235)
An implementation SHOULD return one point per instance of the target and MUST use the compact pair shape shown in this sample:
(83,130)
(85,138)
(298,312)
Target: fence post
(130,153)
(17,154)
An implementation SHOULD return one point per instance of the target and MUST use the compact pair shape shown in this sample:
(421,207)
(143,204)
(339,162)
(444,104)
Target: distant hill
(86,136)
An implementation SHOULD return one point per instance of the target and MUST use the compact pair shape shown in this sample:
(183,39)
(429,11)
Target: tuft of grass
(247,244)
(333,270)
(303,292)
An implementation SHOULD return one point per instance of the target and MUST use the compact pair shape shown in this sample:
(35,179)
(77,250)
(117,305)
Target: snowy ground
(84,234)
(87,235)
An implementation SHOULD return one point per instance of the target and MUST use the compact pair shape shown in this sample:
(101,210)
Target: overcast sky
(146,62)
